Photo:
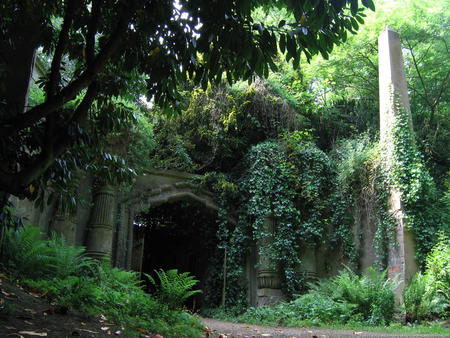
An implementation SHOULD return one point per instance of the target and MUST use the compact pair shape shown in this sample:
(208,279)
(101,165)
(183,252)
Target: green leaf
(369,4)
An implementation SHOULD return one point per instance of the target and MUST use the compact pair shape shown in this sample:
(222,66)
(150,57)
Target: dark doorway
(178,235)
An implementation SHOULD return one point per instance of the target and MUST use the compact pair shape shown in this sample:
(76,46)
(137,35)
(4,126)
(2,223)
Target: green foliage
(420,299)
(98,57)
(69,293)
(28,256)
(174,287)
(427,295)
(371,294)
(67,259)
(425,214)
(438,268)
(219,125)
(74,282)
(345,298)
(25,253)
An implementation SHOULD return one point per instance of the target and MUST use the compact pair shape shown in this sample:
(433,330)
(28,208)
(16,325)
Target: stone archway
(154,188)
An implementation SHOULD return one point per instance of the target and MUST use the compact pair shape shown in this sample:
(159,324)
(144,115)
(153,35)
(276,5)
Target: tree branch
(68,93)
(92,31)
(61,141)
(55,69)
(419,74)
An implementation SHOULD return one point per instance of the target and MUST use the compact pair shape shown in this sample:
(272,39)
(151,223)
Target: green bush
(72,281)
(173,287)
(420,299)
(345,298)
(428,295)
(72,292)
(438,267)
(319,308)
(25,254)
(372,294)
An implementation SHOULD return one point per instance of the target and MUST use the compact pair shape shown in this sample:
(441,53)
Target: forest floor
(26,314)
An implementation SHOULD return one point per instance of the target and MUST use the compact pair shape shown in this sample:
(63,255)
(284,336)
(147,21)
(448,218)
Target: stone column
(130,239)
(64,224)
(392,81)
(268,277)
(122,236)
(100,232)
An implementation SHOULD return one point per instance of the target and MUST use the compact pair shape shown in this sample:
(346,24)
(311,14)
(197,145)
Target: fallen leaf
(84,330)
(33,333)
(83,324)
(8,294)
(105,328)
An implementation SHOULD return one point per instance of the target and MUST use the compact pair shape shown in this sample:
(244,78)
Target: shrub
(72,281)
(371,294)
(347,297)
(174,288)
(66,259)
(25,254)
(438,267)
(420,299)
(319,308)
(71,293)
(428,295)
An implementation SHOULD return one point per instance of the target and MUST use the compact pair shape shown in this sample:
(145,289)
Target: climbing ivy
(407,172)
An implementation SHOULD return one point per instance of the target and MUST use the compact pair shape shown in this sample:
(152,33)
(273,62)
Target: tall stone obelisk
(394,96)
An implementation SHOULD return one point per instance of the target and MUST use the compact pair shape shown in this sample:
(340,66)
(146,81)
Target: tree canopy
(101,49)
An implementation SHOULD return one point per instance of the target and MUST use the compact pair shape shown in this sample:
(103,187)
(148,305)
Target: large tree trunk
(19,62)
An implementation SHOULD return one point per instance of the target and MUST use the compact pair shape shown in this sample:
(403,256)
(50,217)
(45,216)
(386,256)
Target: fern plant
(25,254)
(67,259)
(174,288)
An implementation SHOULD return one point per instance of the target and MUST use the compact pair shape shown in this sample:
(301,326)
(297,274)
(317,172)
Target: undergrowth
(72,281)
(345,298)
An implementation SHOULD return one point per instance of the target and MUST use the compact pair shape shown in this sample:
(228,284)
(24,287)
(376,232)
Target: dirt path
(229,330)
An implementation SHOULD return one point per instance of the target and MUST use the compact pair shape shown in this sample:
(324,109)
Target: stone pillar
(268,277)
(122,237)
(392,81)
(100,232)
(130,239)
(64,224)
(401,261)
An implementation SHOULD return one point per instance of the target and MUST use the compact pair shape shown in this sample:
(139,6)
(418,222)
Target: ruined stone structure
(105,219)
